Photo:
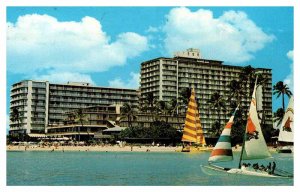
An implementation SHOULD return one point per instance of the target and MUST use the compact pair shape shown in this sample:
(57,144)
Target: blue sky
(105,45)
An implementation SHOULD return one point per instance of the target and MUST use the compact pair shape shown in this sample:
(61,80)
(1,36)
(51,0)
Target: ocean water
(127,169)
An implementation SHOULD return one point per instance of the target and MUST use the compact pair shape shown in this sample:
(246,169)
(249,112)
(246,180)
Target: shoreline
(106,148)
(94,148)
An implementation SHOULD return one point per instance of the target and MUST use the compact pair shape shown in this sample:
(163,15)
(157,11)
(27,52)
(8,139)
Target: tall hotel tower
(166,77)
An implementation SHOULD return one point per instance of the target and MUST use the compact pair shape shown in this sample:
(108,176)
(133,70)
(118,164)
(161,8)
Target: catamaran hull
(194,149)
(212,169)
(285,149)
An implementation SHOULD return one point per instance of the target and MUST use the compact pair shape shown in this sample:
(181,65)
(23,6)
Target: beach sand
(108,148)
(94,148)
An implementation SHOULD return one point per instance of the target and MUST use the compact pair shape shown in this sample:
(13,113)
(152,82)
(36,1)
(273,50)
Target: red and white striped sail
(223,149)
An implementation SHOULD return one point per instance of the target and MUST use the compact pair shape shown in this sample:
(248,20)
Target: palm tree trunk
(219,122)
(283,102)
(129,121)
(166,117)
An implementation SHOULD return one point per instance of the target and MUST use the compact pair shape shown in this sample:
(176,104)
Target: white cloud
(289,80)
(152,29)
(133,82)
(38,43)
(63,77)
(232,37)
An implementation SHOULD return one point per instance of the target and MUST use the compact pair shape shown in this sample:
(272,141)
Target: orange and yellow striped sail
(192,131)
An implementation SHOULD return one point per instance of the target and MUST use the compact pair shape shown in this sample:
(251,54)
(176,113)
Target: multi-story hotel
(41,104)
(166,77)
(44,107)
(98,118)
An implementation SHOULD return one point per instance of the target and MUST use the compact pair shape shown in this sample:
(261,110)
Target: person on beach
(261,167)
(255,166)
(273,167)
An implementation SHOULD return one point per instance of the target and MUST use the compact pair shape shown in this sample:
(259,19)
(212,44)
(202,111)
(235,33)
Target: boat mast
(243,148)
(244,139)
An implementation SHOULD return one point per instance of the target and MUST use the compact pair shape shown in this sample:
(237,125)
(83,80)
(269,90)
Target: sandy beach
(93,148)
(108,148)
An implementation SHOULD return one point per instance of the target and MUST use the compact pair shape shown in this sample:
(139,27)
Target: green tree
(278,116)
(215,129)
(185,95)
(238,128)
(149,103)
(217,102)
(162,129)
(70,119)
(235,91)
(247,79)
(281,89)
(80,117)
(128,111)
(157,130)
(165,108)
(16,117)
(175,108)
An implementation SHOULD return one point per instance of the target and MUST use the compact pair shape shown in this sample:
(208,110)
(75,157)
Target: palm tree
(149,103)
(217,102)
(175,107)
(80,117)
(70,119)
(235,91)
(278,116)
(247,79)
(15,117)
(281,89)
(165,108)
(128,111)
(185,95)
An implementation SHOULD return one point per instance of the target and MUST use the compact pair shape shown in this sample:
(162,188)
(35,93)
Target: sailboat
(192,131)
(286,131)
(254,147)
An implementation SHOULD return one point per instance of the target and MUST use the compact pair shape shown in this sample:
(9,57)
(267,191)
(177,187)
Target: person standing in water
(273,167)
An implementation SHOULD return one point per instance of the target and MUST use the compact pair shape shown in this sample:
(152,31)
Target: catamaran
(254,147)
(286,131)
(192,131)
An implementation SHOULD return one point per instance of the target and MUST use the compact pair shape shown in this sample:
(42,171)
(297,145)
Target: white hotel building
(166,77)
(41,104)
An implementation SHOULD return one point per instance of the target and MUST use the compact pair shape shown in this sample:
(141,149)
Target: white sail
(286,131)
(255,144)
(259,102)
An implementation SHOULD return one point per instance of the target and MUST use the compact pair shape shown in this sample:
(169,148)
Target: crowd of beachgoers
(82,146)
